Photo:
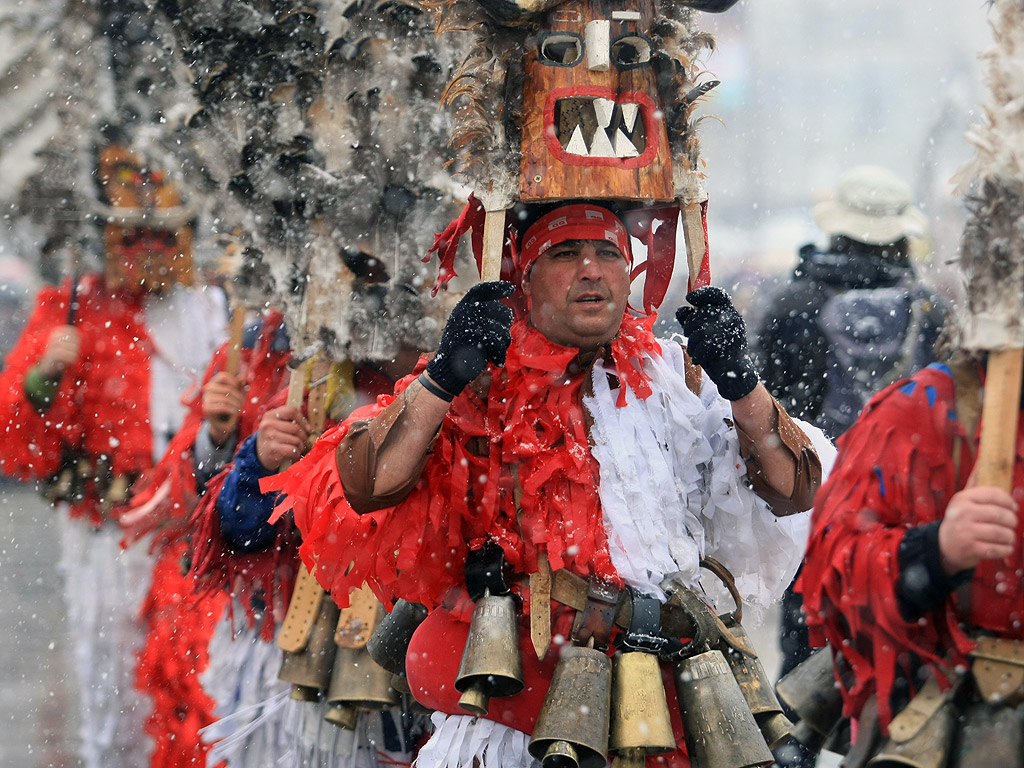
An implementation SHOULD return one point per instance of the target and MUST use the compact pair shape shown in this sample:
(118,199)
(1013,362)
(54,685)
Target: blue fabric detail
(241,508)
(881,481)
(252,334)
(908,388)
(943,368)
(929,392)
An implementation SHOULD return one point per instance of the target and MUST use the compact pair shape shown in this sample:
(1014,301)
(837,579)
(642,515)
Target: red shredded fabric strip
(102,404)
(269,573)
(170,487)
(178,632)
(533,418)
(894,471)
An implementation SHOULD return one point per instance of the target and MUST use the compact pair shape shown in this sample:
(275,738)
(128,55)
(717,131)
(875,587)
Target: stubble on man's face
(578,292)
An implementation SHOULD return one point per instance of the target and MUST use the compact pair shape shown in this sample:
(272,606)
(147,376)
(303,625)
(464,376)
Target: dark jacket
(794,352)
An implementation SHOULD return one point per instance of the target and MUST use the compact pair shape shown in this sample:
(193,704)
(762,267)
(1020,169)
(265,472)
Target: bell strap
(593,624)
(487,570)
(997,664)
(540,606)
(302,612)
(357,622)
(928,700)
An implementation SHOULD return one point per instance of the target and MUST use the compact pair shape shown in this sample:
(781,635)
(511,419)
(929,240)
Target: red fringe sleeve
(394,555)
(269,573)
(893,472)
(31,446)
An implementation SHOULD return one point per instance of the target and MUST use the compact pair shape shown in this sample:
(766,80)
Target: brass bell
(757,690)
(640,721)
(720,730)
(309,670)
(358,681)
(776,728)
(343,717)
(572,728)
(929,748)
(810,689)
(60,488)
(390,641)
(491,661)
(990,735)
(400,683)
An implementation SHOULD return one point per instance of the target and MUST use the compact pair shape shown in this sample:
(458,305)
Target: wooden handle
(296,392)
(696,244)
(999,414)
(494,239)
(234,359)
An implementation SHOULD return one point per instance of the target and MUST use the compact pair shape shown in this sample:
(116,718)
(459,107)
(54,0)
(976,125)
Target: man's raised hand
(477,331)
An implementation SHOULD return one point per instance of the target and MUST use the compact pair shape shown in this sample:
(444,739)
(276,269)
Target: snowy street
(37,717)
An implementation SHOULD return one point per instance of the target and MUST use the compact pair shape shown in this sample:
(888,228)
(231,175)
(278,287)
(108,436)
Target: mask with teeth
(593,118)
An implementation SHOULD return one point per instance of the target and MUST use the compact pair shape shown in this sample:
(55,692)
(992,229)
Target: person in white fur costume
(566,439)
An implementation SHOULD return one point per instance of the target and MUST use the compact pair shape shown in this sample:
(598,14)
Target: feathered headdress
(322,123)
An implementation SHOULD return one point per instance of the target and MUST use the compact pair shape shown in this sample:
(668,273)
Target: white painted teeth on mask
(622,146)
(604,108)
(577,145)
(618,145)
(629,113)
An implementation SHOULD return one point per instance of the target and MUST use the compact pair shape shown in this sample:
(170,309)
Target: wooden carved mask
(593,121)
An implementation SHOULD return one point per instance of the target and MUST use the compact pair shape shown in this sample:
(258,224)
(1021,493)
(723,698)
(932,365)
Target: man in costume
(236,548)
(89,398)
(853,319)
(179,623)
(569,439)
(907,553)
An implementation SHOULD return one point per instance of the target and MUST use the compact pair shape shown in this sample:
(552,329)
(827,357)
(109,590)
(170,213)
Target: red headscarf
(653,226)
(573,222)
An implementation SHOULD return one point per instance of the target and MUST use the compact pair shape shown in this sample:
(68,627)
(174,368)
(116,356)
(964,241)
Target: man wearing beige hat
(838,331)
(853,319)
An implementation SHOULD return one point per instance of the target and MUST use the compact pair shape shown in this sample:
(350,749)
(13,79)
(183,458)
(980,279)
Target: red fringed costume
(179,622)
(895,471)
(101,405)
(267,574)
(417,550)
(533,417)
(175,655)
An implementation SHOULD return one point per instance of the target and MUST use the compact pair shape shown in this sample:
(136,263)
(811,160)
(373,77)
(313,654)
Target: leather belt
(572,590)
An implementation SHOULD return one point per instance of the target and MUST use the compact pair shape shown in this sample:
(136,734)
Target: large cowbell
(592,116)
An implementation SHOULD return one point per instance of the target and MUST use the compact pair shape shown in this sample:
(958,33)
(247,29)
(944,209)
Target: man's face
(143,259)
(578,291)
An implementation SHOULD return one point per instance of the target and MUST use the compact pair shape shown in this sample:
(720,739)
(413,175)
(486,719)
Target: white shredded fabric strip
(104,587)
(251,731)
(459,740)
(674,488)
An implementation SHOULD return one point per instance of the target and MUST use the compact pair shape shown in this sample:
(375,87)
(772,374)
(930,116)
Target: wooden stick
(494,239)
(997,449)
(296,392)
(234,359)
(693,237)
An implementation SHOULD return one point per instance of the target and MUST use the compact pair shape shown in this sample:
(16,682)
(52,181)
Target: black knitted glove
(477,331)
(716,339)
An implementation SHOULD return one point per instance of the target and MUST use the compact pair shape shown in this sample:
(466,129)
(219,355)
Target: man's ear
(526,282)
